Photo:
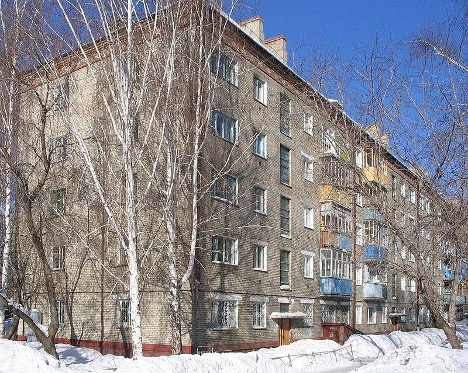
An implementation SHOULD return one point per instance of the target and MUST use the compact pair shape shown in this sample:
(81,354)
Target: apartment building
(302,233)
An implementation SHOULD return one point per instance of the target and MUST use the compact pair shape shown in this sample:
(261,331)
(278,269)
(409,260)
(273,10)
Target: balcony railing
(374,291)
(331,238)
(449,274)
(335,286)
(371,213)
(373,174)
(375,252)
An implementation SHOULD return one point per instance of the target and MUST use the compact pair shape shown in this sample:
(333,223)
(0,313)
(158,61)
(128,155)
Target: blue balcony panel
(461,300)
(374,291)
(449,274)
(371,213)
(375,252)
(335,286)
(346,242)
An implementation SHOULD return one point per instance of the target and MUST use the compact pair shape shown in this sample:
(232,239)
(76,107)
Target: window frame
(371,315)
(59,152)
(259,315)
(223,189)
(309,217)
(285,114)
(260,90)
(230,257)
(60,311)
(285,269)
(285,165)
(58,258)
(123,313)
(57,202)
(225,67)
(259,146)
(259,256)
(228,321)
(285,217)
(309,123)
(224,126)
(308,266)
(358,311)
(259,200)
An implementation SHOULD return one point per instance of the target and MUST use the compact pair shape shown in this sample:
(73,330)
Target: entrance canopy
(287,315)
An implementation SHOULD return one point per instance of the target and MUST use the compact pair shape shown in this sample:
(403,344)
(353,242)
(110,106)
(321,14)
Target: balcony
(448,273)
(374,291)
(331,238)
(373,174)
(371,213)
(333,286)
(375,252)
(333,193)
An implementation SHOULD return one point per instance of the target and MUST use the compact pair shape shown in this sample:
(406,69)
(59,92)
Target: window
(328,313)
(308,167)
(328,141)
(359,160)
(393,186)
(359,199)
(58,258)
(285,115)
(335,263)
(369,157)
(285,216)
(260,145)
(371,315)
(60,312)
(403,283)
(224,250)
(413,196)
(358,313)
(57,202)
(359,275)
(413,285)
(259,90)
(225,188)
(285,264)
(224,315)
(308,266)
(224,67)
(403,252)
(284,307)
(224,126)
(309,217)
(345,314)
(60,95)
(259,257)
(359,234)
(59,152)
(308,123)
(259,196)
(124,313)
(403,190)
(285,176)
(309,314)
(259,315)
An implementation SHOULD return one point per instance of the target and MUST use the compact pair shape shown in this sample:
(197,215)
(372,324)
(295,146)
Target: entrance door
(284,332)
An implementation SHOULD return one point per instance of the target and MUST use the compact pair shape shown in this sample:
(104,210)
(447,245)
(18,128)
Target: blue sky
(344,26)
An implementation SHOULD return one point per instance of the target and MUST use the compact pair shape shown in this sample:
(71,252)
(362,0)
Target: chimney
(254,28)
(278,48)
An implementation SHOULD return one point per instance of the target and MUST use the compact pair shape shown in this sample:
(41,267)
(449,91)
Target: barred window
(224,315)
(259,315)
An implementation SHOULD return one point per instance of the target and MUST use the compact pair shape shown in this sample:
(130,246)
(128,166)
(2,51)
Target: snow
(426,350)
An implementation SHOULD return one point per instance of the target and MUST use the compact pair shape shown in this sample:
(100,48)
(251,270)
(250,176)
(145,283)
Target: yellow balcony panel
(373,174)
(331,193)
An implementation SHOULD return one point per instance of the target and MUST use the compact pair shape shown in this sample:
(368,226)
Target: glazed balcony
(374,174)
(448,273)
(332,286)
(371,213)
(374,291)
(375,252)
(331,238)
(333,193)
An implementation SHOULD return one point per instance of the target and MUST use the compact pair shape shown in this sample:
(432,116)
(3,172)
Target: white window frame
(123,313)
(228,253)
(58,258)
(259,146)
(224,126)
(359,273)
(384,318)
(308,162)
(359,234)
(259,90)
(260,199)
(225,67)
(259,256)
(308,217)
(225,188)
(371,315)
(309,312)
(309,123)
(259,315)
(358,313)
(403,190)
(412,285)
(225,314)
(359,157)
(359,199)
(308,264)
(60,312)
(403,283)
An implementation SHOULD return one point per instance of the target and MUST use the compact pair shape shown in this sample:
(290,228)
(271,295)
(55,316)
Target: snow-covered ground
(425,351)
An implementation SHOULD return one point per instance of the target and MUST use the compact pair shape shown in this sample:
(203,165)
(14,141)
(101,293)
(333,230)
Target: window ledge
(224,200)
(259,327)
(285,287)
(285,236)
(260,212)
(260,156)
(260,270)
(224,329)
